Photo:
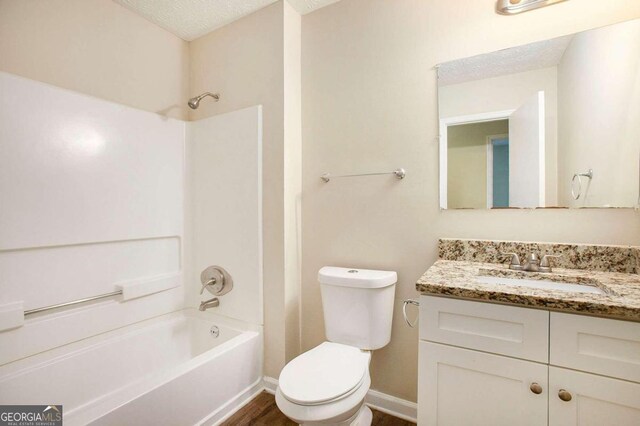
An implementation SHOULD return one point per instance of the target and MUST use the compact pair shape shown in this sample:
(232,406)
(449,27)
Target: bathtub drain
(215,331)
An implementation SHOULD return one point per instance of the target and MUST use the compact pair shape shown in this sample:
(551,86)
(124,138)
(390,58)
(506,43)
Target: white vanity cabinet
(489,364)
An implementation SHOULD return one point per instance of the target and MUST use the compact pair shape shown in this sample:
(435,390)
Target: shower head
(194,102)
(511,7)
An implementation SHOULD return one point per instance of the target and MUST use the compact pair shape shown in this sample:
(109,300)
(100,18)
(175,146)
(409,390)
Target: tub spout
(211,303)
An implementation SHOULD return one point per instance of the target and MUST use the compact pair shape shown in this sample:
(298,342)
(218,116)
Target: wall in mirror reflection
(523,127)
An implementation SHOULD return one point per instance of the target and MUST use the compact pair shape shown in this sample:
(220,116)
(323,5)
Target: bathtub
(183,368)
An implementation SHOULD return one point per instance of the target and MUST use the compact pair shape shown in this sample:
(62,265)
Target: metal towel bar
(399,173)
(73,302)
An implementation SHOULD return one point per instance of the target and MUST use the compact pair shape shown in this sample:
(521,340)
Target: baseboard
(396,407)
(270,385)
(231,407)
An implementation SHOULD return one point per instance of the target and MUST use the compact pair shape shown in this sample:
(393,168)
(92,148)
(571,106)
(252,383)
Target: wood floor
(264,411)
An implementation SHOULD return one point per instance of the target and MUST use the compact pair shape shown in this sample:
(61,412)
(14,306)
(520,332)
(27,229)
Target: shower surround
(99,196)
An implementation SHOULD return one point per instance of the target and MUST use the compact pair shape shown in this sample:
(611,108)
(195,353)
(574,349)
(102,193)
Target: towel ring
(589,175)
(404,311)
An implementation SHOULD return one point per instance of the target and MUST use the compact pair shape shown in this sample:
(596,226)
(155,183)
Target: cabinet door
(595,400)
(465,387)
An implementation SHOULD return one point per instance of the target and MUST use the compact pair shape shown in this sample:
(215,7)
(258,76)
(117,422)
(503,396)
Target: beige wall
(467,163)
(370,104)
(253,61)
(292,177)
(98,48)
(599,111)
(509,92)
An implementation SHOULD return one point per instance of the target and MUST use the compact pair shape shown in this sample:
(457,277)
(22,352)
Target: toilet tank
(357,305)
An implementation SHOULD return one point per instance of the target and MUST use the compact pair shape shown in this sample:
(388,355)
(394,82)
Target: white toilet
(327,385)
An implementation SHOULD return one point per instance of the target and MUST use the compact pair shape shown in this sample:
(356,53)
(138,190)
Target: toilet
(327,385)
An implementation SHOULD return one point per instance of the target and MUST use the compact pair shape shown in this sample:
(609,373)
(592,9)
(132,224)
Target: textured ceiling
(306,6)
(190,19)
(528,57)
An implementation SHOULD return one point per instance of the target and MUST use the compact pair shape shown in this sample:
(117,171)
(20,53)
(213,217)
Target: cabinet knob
(564,395)
(536,388)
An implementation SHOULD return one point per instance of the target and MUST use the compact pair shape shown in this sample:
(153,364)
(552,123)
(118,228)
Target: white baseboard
(231,407)
(270,385)
(396,407)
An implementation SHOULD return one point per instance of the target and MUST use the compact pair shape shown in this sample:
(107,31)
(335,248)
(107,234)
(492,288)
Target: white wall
(92,196)
(369,95)
(599,116)
(224,209)
(509,92)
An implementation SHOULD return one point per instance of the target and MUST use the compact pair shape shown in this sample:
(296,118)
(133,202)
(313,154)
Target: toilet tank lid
(354,277)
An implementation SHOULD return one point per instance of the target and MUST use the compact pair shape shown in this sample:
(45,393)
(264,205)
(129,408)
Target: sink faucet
(211,303)
(532,262)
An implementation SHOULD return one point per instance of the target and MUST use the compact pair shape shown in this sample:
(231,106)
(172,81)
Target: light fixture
(511,7)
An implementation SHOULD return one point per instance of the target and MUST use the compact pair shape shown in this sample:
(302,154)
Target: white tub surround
(224,208)
(169,370)
(95,202)
(92,199)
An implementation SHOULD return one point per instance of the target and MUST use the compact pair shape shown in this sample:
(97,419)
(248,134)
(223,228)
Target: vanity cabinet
(489,364)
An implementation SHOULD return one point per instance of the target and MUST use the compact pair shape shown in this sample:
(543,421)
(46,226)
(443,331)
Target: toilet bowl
(328,384)
(325,385)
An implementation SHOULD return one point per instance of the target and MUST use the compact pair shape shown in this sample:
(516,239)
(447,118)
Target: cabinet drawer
(597,345)
(506,330)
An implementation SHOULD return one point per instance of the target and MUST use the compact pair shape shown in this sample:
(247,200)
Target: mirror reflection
(554,123)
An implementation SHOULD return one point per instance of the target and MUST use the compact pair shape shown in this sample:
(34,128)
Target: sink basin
(541,284)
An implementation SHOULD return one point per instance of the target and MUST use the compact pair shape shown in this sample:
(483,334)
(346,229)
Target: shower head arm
(195,101)
(215,96)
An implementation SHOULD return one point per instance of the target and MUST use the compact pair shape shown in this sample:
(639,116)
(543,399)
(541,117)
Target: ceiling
(517,59)
(190,19)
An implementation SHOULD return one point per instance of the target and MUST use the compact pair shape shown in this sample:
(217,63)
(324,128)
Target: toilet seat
(337,412)
(327,373)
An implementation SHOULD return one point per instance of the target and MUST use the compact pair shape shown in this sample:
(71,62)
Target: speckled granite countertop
(459,278)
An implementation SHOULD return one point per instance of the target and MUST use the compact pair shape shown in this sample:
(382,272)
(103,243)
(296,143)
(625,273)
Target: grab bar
(13,314)
(73,302)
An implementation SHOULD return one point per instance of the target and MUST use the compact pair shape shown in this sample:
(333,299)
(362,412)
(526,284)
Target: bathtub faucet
(211,303)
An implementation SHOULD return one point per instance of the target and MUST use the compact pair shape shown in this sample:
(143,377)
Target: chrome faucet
(532,262)
(211,303)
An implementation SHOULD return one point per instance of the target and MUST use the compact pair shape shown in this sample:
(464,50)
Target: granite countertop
(458,278)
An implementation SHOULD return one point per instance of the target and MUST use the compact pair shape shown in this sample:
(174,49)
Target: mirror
(554,123)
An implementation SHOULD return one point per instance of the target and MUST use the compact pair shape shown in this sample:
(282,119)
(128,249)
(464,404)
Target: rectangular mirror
(554,123)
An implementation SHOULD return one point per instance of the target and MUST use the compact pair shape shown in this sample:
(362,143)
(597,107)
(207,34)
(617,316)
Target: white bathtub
(169,370)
